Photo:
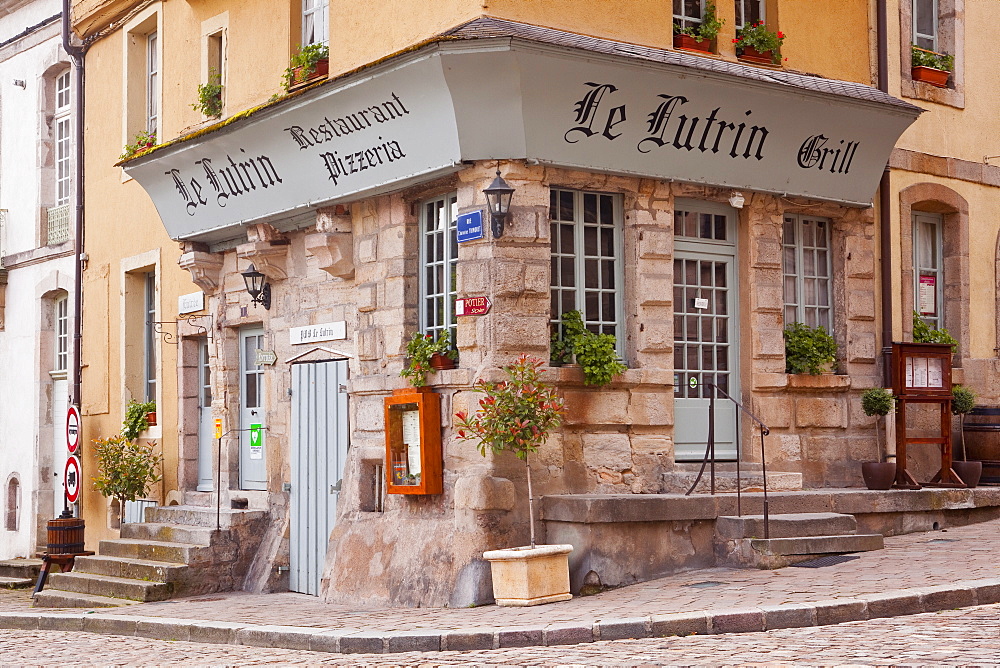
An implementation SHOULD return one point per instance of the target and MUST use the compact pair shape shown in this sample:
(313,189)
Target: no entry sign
(71,479)
(72,429)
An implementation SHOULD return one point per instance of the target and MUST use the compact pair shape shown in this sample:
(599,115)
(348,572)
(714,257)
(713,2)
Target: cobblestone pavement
(966,636)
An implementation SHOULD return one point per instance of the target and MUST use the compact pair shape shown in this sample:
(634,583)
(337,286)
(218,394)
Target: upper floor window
(586,241)
(62,123)
(688,13)
(807,272)
(749,12)
(925,24)
(149,338)
(314,21)
(61,312)
(152,84)
(438,261)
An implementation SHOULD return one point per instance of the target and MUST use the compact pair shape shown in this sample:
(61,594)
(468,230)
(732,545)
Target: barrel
(65,535)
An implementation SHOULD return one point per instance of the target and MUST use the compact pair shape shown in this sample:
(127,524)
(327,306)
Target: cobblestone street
(968,636)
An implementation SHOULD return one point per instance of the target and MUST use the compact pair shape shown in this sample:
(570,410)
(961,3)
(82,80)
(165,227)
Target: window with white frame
(314,21)
(928,268)
(149,338)
(807,272)
(925,24)
(438,261)
(63,136)
(688,13)
(586,242)
(749,12)
(152,84)
(61,313)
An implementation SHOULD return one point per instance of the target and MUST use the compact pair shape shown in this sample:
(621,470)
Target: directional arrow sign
(473,306)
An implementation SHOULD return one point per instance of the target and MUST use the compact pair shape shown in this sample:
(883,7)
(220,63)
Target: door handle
(253,412)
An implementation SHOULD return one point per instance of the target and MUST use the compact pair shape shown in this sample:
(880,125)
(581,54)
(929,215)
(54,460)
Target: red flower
(781,35)
(735,41)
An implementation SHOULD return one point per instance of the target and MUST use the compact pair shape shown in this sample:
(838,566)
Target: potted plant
(427,354)
(595,353)
(517,415)
(756,44)
(125,468)
(878,402)
(309,63)
(924,333)
(963,400)
(931,67)
(210,95)
(808,349)
(143,142)
(700,37)
(137,418)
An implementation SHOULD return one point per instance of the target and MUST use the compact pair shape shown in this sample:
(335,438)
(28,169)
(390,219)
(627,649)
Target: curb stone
(896,603)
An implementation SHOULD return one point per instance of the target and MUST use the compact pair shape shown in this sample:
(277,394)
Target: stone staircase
(679,480)
(176,552)
(793,538)
(19,573)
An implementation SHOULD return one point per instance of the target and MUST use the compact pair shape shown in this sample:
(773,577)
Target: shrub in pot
(595,353)
(808,349)
(963,400)
(878,402)
(518,415)
(137,418)
(924,333)
(125,469)
(699,37)
(428,355)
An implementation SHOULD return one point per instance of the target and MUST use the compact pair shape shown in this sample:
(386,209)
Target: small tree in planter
(518,415)
(878,402)
(963,400)
(125,469)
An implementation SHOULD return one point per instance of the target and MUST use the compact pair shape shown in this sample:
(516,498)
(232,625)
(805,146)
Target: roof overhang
(620,109)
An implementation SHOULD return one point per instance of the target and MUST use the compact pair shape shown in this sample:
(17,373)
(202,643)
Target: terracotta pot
(442,362)
(321,71)
(878,475)
(931,75)
(969,472)
(151,418)
(689,43)
(752,55)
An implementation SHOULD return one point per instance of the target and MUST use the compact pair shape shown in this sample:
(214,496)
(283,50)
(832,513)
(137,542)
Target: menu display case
(413,457)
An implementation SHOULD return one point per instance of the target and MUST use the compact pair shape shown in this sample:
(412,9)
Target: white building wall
(36,272)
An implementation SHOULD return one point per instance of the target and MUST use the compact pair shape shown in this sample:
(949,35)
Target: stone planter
(524,576)
(931,75)
(878,475)
(969,472)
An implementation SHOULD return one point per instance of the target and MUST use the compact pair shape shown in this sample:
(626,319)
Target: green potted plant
(756,44)
(137,418)
(125,469)
(143,142)
(427,355)
(699,37)
(309,62)
(210,95)
(924,333)
(595,353)
(930,67)
(517,415)
(963,400)
(878,402)
(808,349)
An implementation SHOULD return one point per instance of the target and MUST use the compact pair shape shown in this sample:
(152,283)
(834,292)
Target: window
(152,85)
(749,12)
(61,312)
(586,233)
(314,21)
(62,136)
(807,274)
(925,24)
(149,339)
(438,259)
(13,504)
(687,13)
(928,268)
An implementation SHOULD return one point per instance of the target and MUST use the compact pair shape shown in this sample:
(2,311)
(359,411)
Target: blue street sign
(470,226)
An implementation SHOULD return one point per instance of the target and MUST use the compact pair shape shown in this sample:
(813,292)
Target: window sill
(824,382)
(919,90)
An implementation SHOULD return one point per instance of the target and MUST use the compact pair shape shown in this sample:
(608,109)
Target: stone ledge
(826,382)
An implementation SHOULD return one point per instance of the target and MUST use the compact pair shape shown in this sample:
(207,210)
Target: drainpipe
(885,221)
(76,54)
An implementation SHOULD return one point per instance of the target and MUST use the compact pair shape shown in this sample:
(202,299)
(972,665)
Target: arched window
(13,506)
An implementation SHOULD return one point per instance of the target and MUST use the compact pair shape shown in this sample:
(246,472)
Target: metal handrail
(709,457)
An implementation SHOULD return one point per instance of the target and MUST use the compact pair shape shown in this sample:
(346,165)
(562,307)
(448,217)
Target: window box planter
(442,362)
(320,71)
(752,55)
(930,75)
(689,43)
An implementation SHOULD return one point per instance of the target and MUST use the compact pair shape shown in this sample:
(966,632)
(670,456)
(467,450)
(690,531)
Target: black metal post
(711,433)
(763,465)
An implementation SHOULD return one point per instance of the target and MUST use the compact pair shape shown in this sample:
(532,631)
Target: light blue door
(319,452)
(253,427)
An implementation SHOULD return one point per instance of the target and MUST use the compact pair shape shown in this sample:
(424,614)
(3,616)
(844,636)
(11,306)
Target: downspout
(885,220)
(76,54)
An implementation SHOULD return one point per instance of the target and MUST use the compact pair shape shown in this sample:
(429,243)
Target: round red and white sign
(72,429)
(71,479)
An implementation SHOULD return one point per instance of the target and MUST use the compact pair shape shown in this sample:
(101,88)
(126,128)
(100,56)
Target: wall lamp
(257,287)
(498,197)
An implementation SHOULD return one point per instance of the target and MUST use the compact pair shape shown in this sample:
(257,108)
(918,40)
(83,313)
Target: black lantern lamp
(498,197)
(258,288)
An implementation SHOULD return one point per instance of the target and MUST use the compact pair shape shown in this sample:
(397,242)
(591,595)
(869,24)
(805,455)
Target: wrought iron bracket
(172,338)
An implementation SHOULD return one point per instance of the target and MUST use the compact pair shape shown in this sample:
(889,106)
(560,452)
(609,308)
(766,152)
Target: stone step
(20,568)
(168,533)
(176,553)
(135,569)
(202,516)
(679,482)
(818,545)
(15,583)
(106,585)
(786,525)
(51,598)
